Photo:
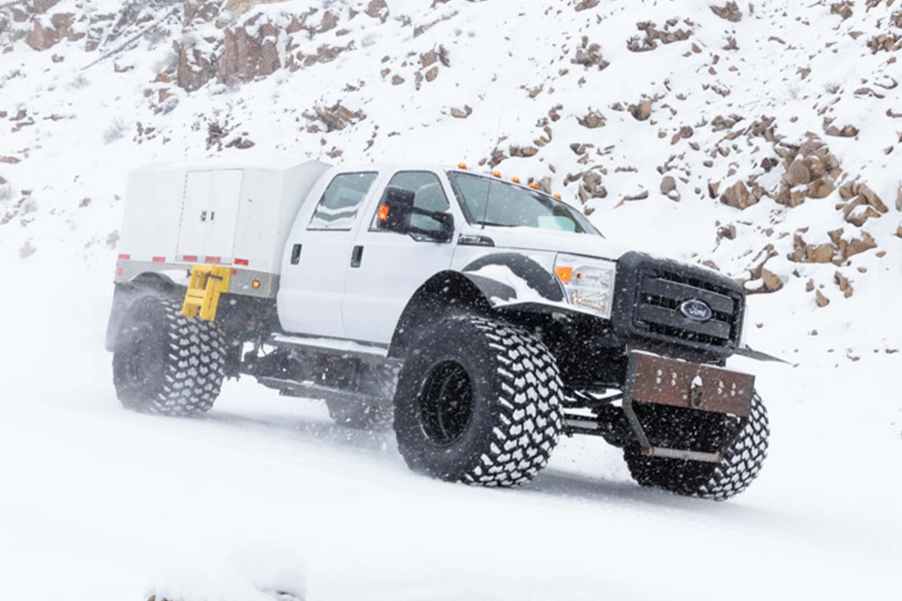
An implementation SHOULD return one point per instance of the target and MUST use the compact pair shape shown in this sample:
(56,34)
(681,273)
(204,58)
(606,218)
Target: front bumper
(661,381)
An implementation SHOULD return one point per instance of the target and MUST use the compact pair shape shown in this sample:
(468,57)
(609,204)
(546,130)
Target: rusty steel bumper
(658,380)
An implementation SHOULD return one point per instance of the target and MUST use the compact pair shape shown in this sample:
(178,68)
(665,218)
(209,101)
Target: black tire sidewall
(460,341)
(146,314)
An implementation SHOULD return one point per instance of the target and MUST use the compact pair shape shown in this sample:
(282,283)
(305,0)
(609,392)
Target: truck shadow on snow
(381,447)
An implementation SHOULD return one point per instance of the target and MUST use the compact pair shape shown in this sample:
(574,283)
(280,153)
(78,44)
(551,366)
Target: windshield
(489,201)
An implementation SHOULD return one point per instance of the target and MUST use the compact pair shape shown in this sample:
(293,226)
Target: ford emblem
(696,310)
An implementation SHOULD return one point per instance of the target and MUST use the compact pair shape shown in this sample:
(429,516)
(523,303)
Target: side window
(429,196)
(337,209)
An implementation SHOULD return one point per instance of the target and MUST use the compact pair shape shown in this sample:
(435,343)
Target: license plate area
(658,380)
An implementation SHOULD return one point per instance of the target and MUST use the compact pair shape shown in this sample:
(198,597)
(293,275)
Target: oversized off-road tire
(478,401)
(378,383)
(742,443)
(165,363)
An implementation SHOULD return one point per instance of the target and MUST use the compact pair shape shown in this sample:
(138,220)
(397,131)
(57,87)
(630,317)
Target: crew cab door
(390,266)
(318,255)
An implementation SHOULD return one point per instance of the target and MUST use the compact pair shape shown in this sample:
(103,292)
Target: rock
(843,9)
(8,160)
(641,195)
(738,196)
(772,281)
(873,199)
(821,188)
(653,35)
(899,190)
(797,173)
(857,245)
(591,186)
(844,285)
(334,118)
(859,214)
(461,113)
(713,188)
(899,231)
(729,11)
(809,285)
(593,120)
(820,299)
(41,38)
(846,131)
(377,9)
(726,231)
(589,55)
(819,253)
(641,111)
(668,184)
(523,151)
(397,80)
(586,4)
(432,73)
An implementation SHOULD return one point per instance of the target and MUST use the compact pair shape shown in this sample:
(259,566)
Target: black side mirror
(396,213)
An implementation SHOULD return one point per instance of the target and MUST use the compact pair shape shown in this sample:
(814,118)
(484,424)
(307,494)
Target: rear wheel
(742,444)
(165,363)
(478,401)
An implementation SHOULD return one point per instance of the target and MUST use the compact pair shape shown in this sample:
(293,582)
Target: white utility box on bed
(218,214)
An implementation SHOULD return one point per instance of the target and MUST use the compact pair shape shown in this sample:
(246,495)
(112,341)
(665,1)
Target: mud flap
(658,380)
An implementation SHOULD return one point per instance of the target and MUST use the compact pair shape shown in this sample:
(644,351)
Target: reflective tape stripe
(159,259)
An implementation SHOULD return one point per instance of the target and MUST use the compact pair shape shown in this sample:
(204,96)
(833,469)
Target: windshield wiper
(493,224)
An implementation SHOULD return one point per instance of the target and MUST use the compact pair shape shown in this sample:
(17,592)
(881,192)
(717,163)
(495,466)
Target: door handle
(203,215)
(296,254)
(357,256)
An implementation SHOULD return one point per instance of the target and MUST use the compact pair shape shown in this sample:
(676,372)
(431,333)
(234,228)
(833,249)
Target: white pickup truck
(480,318)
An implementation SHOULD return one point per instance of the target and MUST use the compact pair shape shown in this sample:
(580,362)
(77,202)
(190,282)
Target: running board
(294,388)
(336,346)
(682,454)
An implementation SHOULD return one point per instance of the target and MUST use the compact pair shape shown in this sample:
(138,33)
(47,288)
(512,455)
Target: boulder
(592,120)
(738,196)
(729,11)
(668,184)
(820,299)
(844,285)
(641,111)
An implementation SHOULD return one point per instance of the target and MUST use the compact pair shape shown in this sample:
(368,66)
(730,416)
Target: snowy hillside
(762,139)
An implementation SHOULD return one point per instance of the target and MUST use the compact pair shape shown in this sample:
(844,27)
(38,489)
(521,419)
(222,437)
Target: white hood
(530,238)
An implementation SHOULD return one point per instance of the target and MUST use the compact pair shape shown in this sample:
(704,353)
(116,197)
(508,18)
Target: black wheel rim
(446,403)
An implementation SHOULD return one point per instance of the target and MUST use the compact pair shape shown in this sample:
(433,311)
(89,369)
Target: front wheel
(742,444)
(478,401)
(165,363)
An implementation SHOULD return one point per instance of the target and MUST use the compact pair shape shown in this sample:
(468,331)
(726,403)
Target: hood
(530,238)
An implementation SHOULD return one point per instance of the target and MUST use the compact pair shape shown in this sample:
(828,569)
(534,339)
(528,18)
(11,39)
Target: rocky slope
(763,140)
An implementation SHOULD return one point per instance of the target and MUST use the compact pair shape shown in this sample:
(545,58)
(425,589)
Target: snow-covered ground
(266,495)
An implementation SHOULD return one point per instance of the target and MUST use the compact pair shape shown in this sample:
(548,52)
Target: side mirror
(396,213)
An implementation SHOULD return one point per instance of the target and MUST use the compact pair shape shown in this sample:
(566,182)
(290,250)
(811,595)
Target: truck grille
(658,309)
(647,305)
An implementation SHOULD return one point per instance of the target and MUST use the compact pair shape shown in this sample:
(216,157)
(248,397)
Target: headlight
(587,283)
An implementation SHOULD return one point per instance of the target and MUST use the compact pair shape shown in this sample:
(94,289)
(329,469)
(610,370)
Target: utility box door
(210,214)
(225,194)
(195,213)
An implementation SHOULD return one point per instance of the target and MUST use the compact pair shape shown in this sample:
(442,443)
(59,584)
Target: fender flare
(480,292)
(528,271)
(126,294)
